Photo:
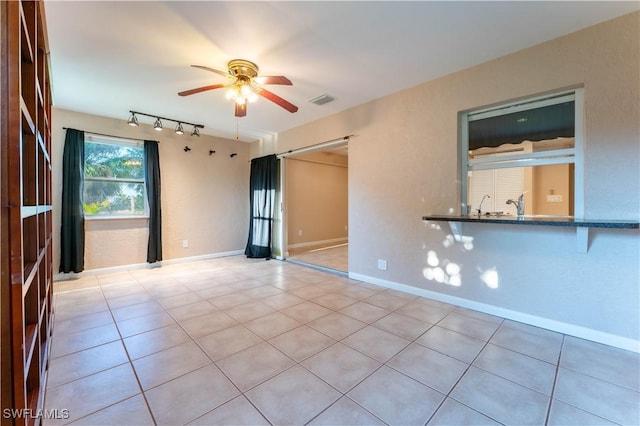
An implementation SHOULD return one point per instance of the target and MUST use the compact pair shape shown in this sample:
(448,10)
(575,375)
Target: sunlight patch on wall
(490,277)
(450,239)
(467,241)
(448,272)
(444,272)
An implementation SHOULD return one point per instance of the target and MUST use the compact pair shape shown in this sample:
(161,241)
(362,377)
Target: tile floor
(334,257)
(238,341)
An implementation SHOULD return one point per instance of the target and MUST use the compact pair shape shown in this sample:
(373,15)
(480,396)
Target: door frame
(280,238)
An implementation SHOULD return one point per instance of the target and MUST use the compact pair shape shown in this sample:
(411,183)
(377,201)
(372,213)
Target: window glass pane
(524,148)
(113,161)
(531,148)
(536,124)
(113,179)
(114,198)
(548,190)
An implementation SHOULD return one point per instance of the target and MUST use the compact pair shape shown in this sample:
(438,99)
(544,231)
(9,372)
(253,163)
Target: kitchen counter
(566,221)
(581,226)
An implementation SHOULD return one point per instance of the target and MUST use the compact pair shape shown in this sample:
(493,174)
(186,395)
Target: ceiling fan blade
(222,73)
(241,110)
(201,89)
(273,79)
(276,99)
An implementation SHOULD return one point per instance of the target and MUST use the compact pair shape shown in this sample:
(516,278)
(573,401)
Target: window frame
(115,141)
(573,155)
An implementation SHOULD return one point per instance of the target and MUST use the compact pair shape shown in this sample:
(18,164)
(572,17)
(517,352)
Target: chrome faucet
(479,209)
(519,204)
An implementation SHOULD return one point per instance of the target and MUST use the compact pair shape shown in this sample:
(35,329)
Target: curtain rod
(110,136)
(311,147)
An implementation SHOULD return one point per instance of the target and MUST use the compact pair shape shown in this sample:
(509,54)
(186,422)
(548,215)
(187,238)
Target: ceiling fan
(245,86)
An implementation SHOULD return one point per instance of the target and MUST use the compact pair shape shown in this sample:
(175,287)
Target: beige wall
(403,164)
(555,180)
(316,198)
(204,198)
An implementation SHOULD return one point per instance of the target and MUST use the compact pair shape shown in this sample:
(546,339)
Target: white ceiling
(111,57)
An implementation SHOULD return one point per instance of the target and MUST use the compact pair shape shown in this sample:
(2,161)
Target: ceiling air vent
(322,99)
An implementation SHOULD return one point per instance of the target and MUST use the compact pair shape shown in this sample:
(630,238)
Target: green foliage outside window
(113,179)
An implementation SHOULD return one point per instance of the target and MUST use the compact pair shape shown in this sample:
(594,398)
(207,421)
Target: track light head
(133,120)
(187,149)
(157,125)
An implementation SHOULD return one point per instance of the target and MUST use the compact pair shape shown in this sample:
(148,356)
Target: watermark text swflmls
(28,413)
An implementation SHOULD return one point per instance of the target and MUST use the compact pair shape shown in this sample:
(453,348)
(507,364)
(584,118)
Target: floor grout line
(277,278)
(135,373)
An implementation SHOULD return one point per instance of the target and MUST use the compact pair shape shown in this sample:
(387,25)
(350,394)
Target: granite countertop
(566,221)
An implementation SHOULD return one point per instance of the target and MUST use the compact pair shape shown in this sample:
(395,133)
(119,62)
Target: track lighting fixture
(157,125)
(211,152)
(187,149)
(233,155)
(133,120)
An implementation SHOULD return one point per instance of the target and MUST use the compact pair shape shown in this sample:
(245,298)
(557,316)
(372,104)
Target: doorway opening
(314,214)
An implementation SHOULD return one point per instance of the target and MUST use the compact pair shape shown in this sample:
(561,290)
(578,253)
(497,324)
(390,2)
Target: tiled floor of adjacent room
(237,341)
(333,257)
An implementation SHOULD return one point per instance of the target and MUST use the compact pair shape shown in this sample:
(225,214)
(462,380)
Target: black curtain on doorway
(152,181)
(262,187)
(72,229)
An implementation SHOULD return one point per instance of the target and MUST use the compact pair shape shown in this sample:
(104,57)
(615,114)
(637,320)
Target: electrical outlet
(185,243)
(300,232)
(382,264)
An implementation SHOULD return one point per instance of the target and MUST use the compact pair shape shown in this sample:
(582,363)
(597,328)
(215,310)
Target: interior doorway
(314,206)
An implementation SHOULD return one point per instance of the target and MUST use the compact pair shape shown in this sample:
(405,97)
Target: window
(532,147)
(113,178)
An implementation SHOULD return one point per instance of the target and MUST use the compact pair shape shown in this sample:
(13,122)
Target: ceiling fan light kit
(157,125)
(245,86)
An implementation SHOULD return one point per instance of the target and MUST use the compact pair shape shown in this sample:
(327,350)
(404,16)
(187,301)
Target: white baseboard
(134,266)
(319,243)
(549,324)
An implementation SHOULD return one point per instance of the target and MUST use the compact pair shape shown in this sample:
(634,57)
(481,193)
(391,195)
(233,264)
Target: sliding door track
(318,267)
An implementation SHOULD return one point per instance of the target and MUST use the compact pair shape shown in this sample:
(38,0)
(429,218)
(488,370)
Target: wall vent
(322,99)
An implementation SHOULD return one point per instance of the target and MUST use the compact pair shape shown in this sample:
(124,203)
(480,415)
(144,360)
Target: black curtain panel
(72,230)
(152,181)
(262,188)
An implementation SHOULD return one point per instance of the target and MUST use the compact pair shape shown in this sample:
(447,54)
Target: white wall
(404,164)
(205,199)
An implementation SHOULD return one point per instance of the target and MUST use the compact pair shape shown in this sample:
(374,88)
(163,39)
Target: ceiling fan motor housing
(244,68)
(243,88)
